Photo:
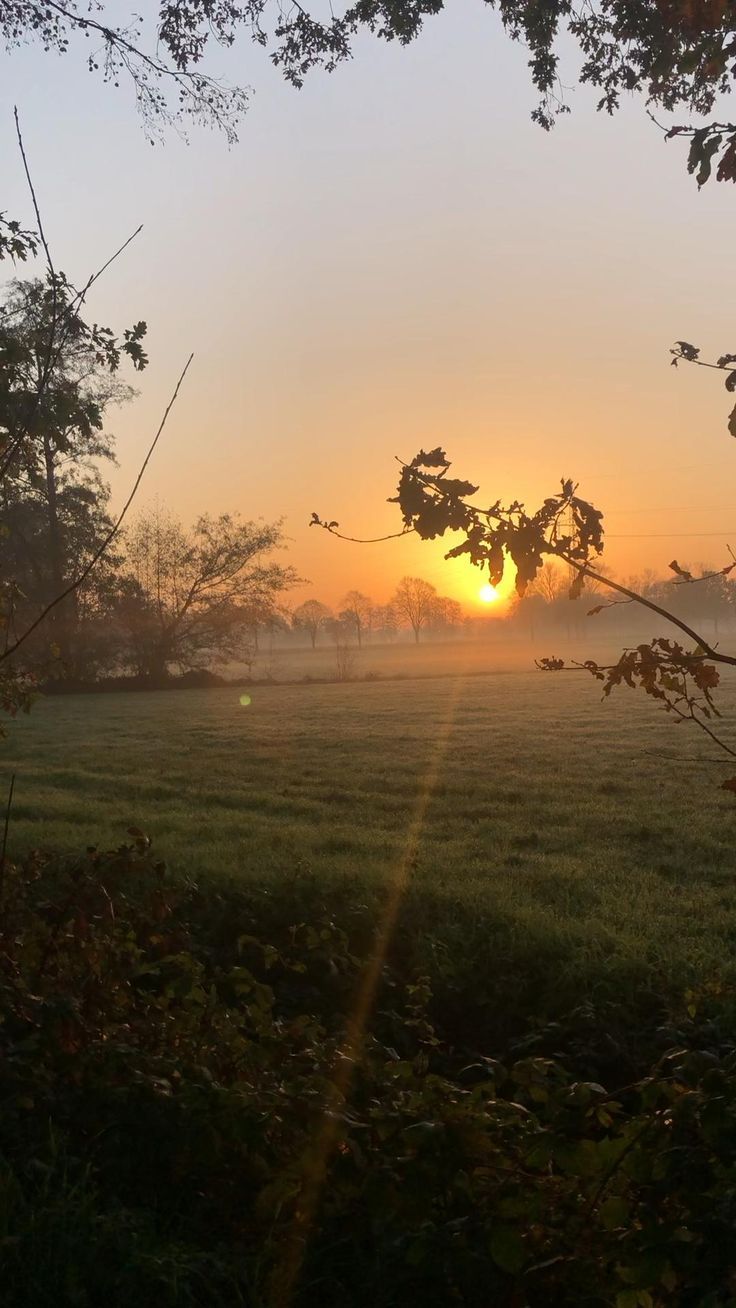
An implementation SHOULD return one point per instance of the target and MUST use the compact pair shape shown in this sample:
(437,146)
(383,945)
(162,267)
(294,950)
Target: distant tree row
(414,606)
(547,601)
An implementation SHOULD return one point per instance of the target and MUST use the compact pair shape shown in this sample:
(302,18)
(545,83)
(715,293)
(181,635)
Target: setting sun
(487,594)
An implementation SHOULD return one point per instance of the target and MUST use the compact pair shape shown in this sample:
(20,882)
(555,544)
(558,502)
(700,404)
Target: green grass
(560,835)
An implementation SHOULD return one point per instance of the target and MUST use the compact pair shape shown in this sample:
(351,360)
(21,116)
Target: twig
(331,527)
(700,641)
(109,538)
(29,179)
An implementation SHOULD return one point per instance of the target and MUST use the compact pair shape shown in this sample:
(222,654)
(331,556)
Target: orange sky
(396,257)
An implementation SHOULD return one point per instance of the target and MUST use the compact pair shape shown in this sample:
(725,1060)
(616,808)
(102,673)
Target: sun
(487,594)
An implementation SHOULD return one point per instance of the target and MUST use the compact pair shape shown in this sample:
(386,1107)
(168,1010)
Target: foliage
(191,594)
(16,244)
(178,1123)
(677,54)
(55,388)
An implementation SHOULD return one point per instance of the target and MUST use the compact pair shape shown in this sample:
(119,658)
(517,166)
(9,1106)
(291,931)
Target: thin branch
(708,649)
(80,296)
(74,585)
(29,179)
(316,521)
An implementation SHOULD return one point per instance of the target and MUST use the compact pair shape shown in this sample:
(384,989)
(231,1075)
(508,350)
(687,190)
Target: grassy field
(514,816)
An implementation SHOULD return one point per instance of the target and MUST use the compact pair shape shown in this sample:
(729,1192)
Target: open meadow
(523,825)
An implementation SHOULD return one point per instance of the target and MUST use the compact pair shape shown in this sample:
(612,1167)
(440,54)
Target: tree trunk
(60,616)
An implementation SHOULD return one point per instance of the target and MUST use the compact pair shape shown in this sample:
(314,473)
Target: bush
(193,1114)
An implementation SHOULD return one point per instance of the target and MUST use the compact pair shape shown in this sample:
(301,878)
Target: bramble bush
(174,1102)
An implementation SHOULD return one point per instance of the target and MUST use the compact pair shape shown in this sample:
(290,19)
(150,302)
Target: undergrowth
(192,1113)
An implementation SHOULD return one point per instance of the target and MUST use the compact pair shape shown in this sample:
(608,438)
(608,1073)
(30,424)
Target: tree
(54,502)
(191,592)
(414,601)
(384,621)
(549,583)
(84,646)
(263,614)
(445,614)
(679,56)
(311,616)
(39,406)
(357,610)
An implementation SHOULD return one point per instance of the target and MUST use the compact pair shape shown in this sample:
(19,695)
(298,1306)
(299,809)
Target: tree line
(164,597)
(415,607)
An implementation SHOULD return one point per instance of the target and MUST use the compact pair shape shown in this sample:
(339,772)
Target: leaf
(507,1249)
(681,572)
(732,421)
(731,381)
(627,1299)
(614,1212)
(727,165)
(435,458)
(688,351)
(703,146)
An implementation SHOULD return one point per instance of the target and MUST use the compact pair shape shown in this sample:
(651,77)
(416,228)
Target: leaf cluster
(565,525)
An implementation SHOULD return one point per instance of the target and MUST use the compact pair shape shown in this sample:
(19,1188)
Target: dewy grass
(557,822)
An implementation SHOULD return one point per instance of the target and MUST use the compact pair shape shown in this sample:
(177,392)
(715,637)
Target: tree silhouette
(413,600)
(679,55)
(357,609)
(194,590)
(311,616)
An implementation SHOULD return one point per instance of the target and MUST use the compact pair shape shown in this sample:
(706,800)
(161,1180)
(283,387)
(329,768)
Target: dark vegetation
(195,1111)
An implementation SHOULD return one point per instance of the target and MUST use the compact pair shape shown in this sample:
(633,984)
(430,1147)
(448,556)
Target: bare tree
(550,583)
(413,601)
(357,610)
(194,590)
(445,615)
(311,617)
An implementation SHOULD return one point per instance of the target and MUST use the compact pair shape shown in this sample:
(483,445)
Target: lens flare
(244,701)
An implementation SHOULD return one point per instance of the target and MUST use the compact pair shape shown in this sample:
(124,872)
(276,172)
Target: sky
(396,257)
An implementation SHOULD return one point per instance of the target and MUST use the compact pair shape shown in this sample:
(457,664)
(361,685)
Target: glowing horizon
(356,287)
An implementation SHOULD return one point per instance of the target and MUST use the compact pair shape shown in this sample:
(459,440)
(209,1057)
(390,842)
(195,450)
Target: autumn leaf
(681,572)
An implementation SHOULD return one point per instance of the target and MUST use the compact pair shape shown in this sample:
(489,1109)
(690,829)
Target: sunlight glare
(488,593)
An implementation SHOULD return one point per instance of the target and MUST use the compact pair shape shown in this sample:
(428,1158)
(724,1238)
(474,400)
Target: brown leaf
(681,572)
